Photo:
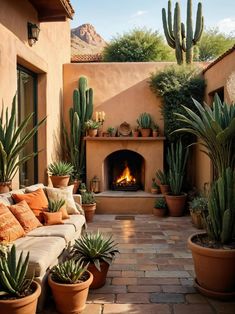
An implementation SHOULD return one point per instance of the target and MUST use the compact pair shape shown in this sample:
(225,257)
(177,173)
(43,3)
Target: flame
(126,176)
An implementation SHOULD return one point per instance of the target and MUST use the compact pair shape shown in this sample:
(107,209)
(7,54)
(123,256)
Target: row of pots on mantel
(133,133)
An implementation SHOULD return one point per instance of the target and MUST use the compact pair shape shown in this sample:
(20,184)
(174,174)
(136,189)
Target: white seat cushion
(76,220)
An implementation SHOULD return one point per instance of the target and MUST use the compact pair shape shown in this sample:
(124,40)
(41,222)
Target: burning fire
(126,177)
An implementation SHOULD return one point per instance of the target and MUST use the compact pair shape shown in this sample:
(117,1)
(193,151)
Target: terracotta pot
(136,134)
(214,269)
(76,184)
(197,219)
(59,181)
(164,188)
(70,298)
(5,187)
(155,133)
(154,190)
(26,305)
(89,210)
(99,277)
(145,132)
(92,132)
(176,204)
(159,212)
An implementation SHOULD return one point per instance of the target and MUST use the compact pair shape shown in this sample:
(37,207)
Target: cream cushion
(76,220)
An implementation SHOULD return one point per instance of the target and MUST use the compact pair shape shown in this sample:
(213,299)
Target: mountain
(85,40)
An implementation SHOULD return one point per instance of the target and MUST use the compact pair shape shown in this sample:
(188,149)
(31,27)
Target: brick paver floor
(153,274)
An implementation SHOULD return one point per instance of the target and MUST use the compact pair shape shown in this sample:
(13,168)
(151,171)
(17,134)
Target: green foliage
(110,130)
(13,139)
(162,176)
(60,168)
(82,186)
(199,204)
(177,157)
(216,128)
(177,37)
(91,124)
(13,279)
(144,121)
(213,44)
(177,85)
(221,206)
(95,248)
(160,203)
(139,45)
(55,206)
(88,198)
(69,272)
(154,184)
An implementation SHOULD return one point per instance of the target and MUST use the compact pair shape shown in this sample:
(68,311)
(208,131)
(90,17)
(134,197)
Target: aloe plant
(60,168)
(94,248)
(144,120)
(13,279)
(162,176)
(13,139)
(55,206)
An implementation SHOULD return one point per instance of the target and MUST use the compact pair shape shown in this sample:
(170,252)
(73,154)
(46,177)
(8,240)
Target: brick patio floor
(154,272)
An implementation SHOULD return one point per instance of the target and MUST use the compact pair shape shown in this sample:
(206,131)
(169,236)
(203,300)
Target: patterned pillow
(53,218)
(25,216)
(10,228)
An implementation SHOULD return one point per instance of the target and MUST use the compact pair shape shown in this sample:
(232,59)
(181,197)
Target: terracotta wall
(46,58)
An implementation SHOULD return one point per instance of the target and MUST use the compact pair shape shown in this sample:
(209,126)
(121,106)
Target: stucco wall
(46,58)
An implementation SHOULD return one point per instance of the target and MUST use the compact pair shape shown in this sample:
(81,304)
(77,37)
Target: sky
(112,17)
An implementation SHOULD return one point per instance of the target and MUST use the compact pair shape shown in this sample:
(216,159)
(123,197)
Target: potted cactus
(97,250)
(70,282)
(160,207)
(59,173)
(88,205)
(18,292)
(144,121)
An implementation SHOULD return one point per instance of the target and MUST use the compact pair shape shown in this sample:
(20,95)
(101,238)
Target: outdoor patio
(153,273)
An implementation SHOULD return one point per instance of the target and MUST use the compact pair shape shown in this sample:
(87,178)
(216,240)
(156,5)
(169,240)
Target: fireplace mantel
(125,138)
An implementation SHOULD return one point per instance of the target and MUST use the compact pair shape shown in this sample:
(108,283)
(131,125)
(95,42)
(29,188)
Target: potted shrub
(111,131)
(214,251)
(19,293)
(13,139)
(59,173)
(92,127)
(70,282)
(162,177)
(160,207)
(154,187)
(89,205)
(176,159)
(198,208)
(144,121)
(97,250)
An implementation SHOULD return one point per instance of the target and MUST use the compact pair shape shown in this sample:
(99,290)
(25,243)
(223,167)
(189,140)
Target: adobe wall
(45,58)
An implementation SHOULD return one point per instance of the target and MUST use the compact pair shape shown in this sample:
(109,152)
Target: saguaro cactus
(175,32)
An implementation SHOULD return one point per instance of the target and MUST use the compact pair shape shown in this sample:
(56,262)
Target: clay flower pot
(5,187)
(159,212)
(155,133)
(214,269)
(99,276)
(70,298)
(176,204)
(59,181)
(26,305)
(89,210)
(197,219)
(164,188)
(92,132)
(145,132)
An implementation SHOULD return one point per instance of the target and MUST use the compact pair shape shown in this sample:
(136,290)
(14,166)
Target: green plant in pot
(111,131)
(70,282)
(163,180)
(18,292)
(160,207)
(99,251)
(176,158)
(59,173)
(214,251)
(88,205)
(198,210)
(92,127)
(154,186)
(144,121)
(13,140)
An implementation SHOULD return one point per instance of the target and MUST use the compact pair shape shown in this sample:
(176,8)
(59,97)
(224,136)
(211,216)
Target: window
(27,103)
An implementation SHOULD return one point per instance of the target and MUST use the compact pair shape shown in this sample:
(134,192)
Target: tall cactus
(175,32)
(81,111)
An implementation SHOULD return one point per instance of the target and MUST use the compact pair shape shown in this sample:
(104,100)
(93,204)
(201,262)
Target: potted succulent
(70,282)
(214,251)
(162,177)
(177,159)
(154,187)
(155,130)
(136,131)
(18,292)
(13,139)
(198,208)
(160,207)
(59,173)
(111,131)
(89,205)
(82,188)
(97,250)
(144,121)
(92,127)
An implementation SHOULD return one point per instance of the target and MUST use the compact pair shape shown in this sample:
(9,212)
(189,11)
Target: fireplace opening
(125,171)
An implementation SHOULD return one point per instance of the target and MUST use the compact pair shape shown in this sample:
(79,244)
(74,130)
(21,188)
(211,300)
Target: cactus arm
(199,24)
(76,101)
(177,34)
(89,104)
(183,37)
(169,18)
(170,40)
(189,35)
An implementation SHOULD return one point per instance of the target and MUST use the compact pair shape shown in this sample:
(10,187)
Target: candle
(103,115)
(96,116)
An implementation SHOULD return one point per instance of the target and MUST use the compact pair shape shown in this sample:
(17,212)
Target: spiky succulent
(13,279)
(95,248)
(55,206)
(69,272)
(88,198)
(160,203)
(60,168)
(144,120)
(162,177)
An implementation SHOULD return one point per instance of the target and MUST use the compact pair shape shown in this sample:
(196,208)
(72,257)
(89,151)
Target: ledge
(125,138)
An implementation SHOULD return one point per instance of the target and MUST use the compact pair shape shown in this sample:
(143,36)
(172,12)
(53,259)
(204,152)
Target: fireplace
(124,171)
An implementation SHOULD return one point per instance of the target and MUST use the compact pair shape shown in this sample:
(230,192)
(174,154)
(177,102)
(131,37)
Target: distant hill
(85,40)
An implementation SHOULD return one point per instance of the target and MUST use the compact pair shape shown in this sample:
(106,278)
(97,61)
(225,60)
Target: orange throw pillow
(53,218)
(25,216)
(10,228)
(64,212)
(36,200)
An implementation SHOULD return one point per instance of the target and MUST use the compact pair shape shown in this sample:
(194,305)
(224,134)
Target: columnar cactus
(175,32)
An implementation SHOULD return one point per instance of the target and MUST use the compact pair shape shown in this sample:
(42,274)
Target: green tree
(213,43)
(138,45)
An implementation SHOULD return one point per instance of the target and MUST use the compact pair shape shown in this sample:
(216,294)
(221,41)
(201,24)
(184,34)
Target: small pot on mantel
(92,132)
(145,132)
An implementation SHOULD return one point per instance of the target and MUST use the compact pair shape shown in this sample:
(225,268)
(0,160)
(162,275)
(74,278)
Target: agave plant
(95,248)
(55,206)
(162,177)
(13,139)
(144,120)
(69,272)
(88,198)
(216,128)
(13,279)
(60,168)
